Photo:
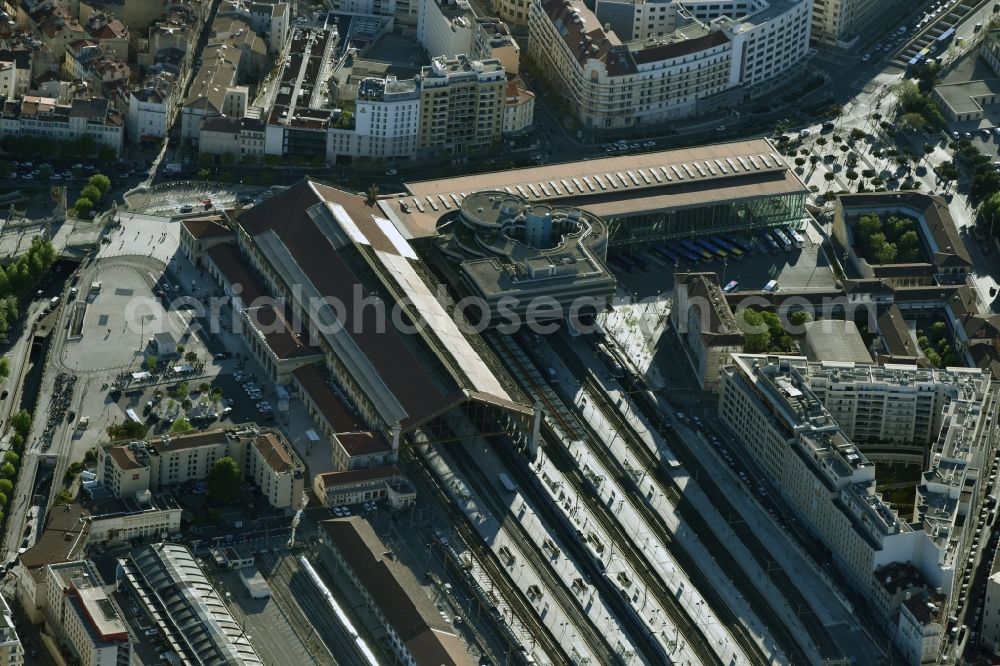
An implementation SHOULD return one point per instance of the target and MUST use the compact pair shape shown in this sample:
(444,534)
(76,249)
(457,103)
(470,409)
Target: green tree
(908,247)
(773,322)
(21,423)
(90,192)
(83,205)
(3,499)
(181,426)
(151,362)
(101,182)
(800,161)
(128,430)
(799,317)
(856,134)
(191,357)
(11,457)
(989,212)
(204,174)
(7,470)
(223,481)
(6,486)
(4,364)
(216,394)
(939,330)
(828,177)
(756,333)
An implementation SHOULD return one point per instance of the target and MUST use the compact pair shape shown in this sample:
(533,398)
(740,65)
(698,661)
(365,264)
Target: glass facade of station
(728,217)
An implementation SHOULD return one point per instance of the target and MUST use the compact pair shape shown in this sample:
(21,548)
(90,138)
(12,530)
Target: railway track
(571,606)
(514,597)
(667,484)
(559,455)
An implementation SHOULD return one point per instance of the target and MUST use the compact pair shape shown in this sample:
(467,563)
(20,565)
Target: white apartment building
(830,484)
(386,114)
(83,618)
(11,650)
(444,27)
(151,108)
(518,109)
(888,403)
(638,63)
(263,457)
(276,470)
(44,117)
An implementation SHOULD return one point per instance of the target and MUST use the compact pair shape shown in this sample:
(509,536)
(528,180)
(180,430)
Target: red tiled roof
(212,226)
(283,339)
(327,268)
(230,262)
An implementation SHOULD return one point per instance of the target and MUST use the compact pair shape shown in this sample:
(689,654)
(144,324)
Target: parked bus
(944,38)
(666,253)
(507,484)
(717,252)
(742,242)
(695,249)
(680,253)
(796,237)
(732,248)
(768,241)
(717,248)
(781,239)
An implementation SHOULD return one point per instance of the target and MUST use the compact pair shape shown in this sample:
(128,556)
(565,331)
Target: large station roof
(337,250)
(612,186)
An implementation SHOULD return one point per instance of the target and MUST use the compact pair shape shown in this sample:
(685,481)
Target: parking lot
(795,269)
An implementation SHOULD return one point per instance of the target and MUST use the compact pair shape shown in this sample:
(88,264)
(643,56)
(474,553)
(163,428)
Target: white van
(771,286)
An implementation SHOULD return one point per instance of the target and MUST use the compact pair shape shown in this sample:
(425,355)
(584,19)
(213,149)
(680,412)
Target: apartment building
(237,139)
(44,117)
(386,113)
(990,633)
(82,618)
(262,456)
(889,403)
(840,22)
(298,121)
(461,106)
(638,63)
(214,91)
(491,38)
(11,650)
(831,486)
(444,27)
(119,519)
(518,109)
(152,107)
(706,325)
(273,466)
(271,20)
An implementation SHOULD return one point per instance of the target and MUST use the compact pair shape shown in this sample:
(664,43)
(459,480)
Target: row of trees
(84,148)
(97,186)
(20,278)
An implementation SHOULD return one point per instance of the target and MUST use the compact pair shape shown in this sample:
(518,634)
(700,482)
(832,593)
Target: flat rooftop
(612,187)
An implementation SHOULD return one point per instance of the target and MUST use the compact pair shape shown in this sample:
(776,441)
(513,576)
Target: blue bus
(720,253)
(696,249)
(732,248)
(664,252)
(741,242)
(944,38)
